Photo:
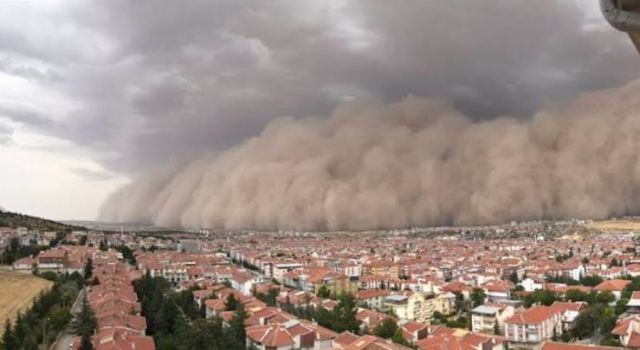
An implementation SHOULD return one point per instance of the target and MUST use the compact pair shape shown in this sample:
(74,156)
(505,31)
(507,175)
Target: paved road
(66,336)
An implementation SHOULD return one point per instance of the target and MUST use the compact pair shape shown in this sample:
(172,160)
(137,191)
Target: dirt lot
(16,293)
(615,225)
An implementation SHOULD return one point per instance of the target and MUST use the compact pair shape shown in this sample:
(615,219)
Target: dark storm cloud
(157,83)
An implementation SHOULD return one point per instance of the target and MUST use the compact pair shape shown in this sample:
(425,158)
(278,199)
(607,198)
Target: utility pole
(44,333)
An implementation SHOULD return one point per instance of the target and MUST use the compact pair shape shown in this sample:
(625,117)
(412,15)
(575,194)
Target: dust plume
(417,162)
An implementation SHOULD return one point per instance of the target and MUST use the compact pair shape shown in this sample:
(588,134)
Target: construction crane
(624,15)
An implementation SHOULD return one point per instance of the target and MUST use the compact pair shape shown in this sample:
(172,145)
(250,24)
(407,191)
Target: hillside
(34,223)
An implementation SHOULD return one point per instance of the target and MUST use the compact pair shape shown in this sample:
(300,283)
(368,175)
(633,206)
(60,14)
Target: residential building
(528,329)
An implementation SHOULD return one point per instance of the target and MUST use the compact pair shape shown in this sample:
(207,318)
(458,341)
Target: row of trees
(269,298)
(127,254)
(590,281)
(388,329)
(175,323)
(341,318)
(85,325)
(49,314)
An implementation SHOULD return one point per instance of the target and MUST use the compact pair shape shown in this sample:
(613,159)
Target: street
(66,336)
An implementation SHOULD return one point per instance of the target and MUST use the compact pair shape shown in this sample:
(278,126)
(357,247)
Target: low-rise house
(24,265)
(569,312)
(370,319)
(628,331)
(615,286)
(633,306)
(531,284)
(498,289)
(565,346)
(413,331)
(464,341)
(290,335)
(350,341)
(484,341)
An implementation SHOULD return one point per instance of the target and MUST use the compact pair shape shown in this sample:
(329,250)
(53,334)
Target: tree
(236,330)
(608,319)
(184,300)
(59,317)
(231,303)
(68,291)
(8,338)
(544,297)
(600,318)
(605,297)
(399,339)
(103,245)
(272,296)
(83,240)
(85,342)
(591,281)
(127,254)
(496,328)
(621,306)
(345,314)
(586,324)
(615,262)
(324,292)
(631,287)
(85,322)
(386,329)
(576,295)
(165,318)
(513,277)
(19,329)
(30,343)
(477,297)
(439,318)
(460,304)
(566,337)
(88,269)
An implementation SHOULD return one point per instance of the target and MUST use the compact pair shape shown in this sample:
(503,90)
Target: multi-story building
(279,270)
(485,318)
(411,306)
(372,298)
(52,260)
(528,329)
(382,268)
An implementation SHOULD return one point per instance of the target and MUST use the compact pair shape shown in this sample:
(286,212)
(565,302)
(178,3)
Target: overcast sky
(93,93)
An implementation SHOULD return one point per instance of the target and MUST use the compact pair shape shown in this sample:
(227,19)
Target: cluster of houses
(25,236)
(61,259)
(116,306)
(413,281)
